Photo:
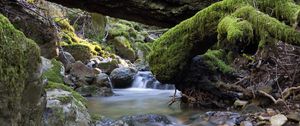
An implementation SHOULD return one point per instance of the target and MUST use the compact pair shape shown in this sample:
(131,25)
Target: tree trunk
(164,13)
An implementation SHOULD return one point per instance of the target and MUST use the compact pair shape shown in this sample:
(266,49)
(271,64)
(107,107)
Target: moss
(175,48)
(96,117)
(281,9)
(119,30)
(236,20)
(81,49)
(123,48)
(145,48)
(19,61)
(215,60)
(97,31)
(59,114)
(53,85)
(267,26)
(31,1)
(234,29)
(54,73)
(65,99)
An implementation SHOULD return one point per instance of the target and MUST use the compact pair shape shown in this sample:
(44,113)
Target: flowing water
(147,95)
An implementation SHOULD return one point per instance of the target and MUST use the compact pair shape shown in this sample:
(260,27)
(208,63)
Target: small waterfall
(145,79)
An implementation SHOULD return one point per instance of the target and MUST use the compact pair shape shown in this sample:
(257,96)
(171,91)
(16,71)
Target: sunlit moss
(81,49)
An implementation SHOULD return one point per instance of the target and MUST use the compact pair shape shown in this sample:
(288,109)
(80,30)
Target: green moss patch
(215,60)
(19,63)
(54,73)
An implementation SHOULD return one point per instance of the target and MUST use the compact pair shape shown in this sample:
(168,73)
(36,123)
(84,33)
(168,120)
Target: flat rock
(278,120)
(294,116)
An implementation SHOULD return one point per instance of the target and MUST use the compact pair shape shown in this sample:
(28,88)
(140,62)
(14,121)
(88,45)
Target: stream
(146,96)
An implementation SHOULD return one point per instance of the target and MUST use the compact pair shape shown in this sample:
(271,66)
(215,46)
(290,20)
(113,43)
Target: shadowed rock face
(164,13)
(32,22)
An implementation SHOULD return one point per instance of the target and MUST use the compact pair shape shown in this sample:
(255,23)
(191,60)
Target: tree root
(285,94)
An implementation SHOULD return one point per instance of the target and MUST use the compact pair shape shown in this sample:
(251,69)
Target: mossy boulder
(123,48)
(79,51)
(63,109)
(21,101)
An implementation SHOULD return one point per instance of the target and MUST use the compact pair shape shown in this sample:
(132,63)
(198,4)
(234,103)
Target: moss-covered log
(235,22)
(165,13)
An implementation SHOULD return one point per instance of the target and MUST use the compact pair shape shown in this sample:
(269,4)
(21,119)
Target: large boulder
(21,96)
(63,109)
(122,77)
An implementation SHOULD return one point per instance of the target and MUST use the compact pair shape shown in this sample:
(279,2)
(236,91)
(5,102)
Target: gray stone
(82,72)
(294,116)
(122,77)
(278,120)
(102,80)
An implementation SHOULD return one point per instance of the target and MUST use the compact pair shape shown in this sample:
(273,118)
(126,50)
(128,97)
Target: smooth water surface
(146,96)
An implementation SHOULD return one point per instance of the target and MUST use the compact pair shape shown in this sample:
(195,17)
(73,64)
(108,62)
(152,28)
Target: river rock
(278,120)
(240,103)
(294,116)
(102,80)
(122,77)
(145,120)
(246,123)
(107,65)
(63,109)
(93,90)
(67,59)
(216,118)
(46,64)
(82,72)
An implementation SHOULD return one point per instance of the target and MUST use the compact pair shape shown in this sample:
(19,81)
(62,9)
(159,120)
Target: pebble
(246,123)
(262,118)
(278,120)
(294,116)
(240,103)
(271,112)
